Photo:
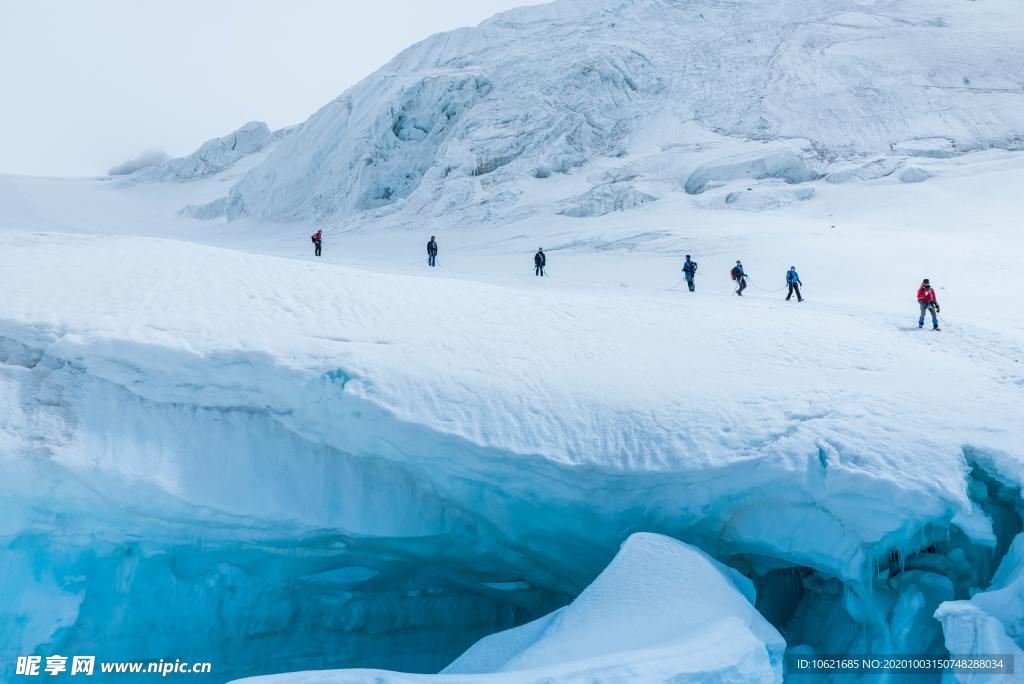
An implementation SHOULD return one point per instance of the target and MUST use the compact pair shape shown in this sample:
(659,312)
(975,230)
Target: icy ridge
(214,155)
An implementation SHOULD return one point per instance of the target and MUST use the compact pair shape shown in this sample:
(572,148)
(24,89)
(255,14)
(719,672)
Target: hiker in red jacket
(318,241)
(926,298)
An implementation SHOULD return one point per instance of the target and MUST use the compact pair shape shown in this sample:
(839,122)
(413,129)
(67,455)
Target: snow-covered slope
(463,120)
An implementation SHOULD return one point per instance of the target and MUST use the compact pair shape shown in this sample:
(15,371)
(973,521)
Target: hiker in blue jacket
(793,281)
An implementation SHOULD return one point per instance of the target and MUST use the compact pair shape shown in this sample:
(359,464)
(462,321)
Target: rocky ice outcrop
(212,157)
(468,115)
(606,198)
(989,619)
(787,164)
(991,623)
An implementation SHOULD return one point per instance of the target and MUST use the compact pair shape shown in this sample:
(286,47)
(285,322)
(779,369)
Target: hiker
(432,252)
(318,241)
(929,304)
(539,262)
(689,270)
(740,276)
(793,281)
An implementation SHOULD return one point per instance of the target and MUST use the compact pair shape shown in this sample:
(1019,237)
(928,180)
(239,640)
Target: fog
(88,85)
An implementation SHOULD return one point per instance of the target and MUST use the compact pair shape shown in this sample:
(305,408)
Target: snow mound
(206,212)
(604,199)
(790,165)
(927,147)
(760,198)
(656,590)
(475,112)
(662,611)
(913,174)
(873,170)
(212,157)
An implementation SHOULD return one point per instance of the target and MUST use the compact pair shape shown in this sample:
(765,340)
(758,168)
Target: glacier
(468,116)
(216,447)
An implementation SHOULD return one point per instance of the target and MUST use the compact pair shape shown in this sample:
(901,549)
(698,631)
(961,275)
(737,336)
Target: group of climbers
(739,276)
(925,294)
(926,298)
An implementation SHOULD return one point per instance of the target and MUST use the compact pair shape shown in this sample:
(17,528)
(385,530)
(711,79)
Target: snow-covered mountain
(216,447)
(464,119)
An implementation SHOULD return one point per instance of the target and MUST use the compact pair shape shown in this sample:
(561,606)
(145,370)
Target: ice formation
(661,611)
(212,157)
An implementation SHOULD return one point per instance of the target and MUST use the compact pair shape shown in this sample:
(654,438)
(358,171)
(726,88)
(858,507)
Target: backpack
(735,272)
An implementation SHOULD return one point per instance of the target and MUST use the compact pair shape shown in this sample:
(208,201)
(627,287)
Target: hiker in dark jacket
(432,251)
(539,262)
(793,282)
(689,271)
(318,241)
(740,277)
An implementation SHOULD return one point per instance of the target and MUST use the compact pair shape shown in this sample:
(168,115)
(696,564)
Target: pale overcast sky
(86,84)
